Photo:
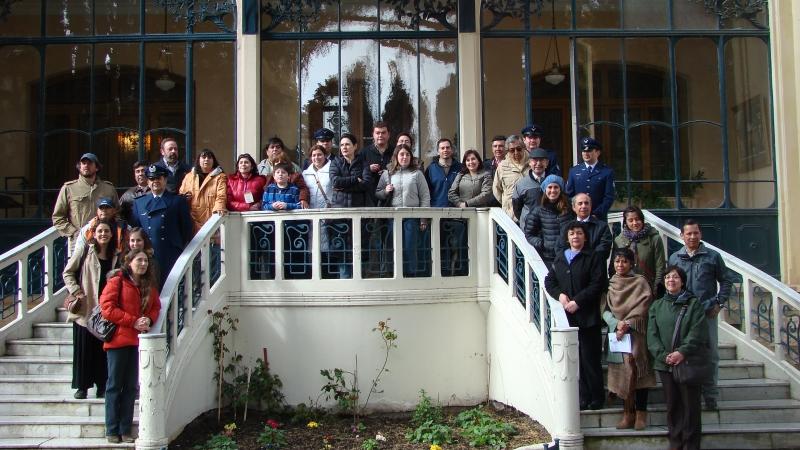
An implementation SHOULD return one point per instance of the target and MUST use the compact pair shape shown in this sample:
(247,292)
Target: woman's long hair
(562,204)
(205,152)
(147,280)
(394,166)
(253,165)
(112,244)
(475,153)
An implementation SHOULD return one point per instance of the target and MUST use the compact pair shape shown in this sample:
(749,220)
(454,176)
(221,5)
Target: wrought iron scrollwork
(297,249)
(8,291)
(518,9)
(454,238)
(196,11)
(790,334)
(736,9)
(501,252)
(419,10)
(535,301)
(5,8)
(262,251)
(300,12)
(519,276)
(337,248)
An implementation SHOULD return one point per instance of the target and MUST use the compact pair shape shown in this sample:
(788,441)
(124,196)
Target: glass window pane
(645,195)
(650,152)
(503,88)
(642,14)
(701,151)
(69,18)
(399,82)
(702,195)
(279,93)
(599,79)
(692,16)
(498,20)
(116,86)
(152,143)
(554,15)
(67,72)
(751,18)
(22,19)
(61,151)
(325,18)
(438,94)
(597,13)
(215,101)
(360,90)
(359,15)
(18,171)
(19,87)
(117,151)
(165,94)
(159,20)
(228,20)
(440,21)
(612,138)
(117,17)
(753,195)
(748,101)
(698,82)
(395,19)
(319,94)
(550,93)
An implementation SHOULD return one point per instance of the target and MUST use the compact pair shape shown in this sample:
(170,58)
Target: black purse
(695,369)
(100,327)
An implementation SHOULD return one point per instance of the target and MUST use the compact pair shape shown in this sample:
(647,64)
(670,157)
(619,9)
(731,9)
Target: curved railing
(762,315)
(31,285)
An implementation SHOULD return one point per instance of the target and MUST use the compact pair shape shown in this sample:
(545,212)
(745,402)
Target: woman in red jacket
(130,300)
(246,186)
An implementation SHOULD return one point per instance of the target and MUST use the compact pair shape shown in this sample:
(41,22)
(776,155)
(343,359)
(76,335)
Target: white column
(152,392)
(470,127)
(565,388)
(248,91)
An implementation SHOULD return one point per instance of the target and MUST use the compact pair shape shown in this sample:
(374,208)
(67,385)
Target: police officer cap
(588,144)
(532,130)
(538,153)
(106,202)
(91,157)
(323,134)
(155,171)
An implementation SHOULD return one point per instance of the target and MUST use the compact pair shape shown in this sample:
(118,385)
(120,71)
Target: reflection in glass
(650,151)
(550,98)
(399,99)
(61,151)
(17,150)
(117,17)
(67,98)
(22,19)
(165,103)
(698,84)
(116,85)
(417,248)
(279,94)
(326,18)
(503,87)
(597,13)
(560,11)
(18,84)
(644,195)
(702,195)
(438,93)
(643,14)
(599,81)
(158,20)
(261,255)
(359,88)
(692,16)
(748,101)
(319,93)
(753,195)
(377,248)
(359,15)
(337,261)
(701,152)
(66,18)
(214,101)
(297,249)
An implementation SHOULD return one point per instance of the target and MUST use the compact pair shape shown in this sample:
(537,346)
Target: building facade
(693,101)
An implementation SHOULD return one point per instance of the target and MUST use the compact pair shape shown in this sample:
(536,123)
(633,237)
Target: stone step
(60,331)
(36,385)
(61,314)
(727,351)
(53,405)
(729,412)
(53,427)
(61,444)
(35,365)
(736,390)
(777,435)
(729,369)
(39,347)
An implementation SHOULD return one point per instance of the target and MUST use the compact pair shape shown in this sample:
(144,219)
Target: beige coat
(207,198)
(506,176)
(89,276)
(76,205)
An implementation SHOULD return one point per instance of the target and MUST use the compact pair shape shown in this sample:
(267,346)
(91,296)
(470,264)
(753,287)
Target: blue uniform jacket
(439,184)
(599,185)
(167,222)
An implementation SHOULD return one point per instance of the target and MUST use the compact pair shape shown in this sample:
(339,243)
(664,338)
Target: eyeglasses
(515,149)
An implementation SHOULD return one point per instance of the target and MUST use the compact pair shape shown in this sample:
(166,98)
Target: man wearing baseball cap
(75,204)
(592,177)
(164,216)
(532,136)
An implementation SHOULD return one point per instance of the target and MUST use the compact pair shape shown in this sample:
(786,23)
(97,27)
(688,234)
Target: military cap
(532,130)
(323,134)
(156,171)
(588,144)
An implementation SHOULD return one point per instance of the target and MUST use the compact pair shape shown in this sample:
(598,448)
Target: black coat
(372,156)
(584,281)
(543,229)
(599,237)
(348,191)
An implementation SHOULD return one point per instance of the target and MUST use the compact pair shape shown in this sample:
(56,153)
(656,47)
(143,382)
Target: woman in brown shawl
(629,374)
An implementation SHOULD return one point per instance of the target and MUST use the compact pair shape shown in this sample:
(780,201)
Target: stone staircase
(754,413)
(37,409)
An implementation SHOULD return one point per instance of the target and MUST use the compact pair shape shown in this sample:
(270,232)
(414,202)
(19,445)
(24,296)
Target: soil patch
(336,431)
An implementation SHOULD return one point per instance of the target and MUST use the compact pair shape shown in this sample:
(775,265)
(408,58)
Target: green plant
(272,437)
(370,444)
(426,411)
(222,324)
(431,433)
(303,413)
(221,441)
(480,429)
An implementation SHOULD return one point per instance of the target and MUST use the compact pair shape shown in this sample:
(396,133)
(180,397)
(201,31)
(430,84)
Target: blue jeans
(123,379)
(416,249)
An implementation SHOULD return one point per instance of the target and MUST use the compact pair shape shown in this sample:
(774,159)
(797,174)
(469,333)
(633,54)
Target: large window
(111,78)
(375,61)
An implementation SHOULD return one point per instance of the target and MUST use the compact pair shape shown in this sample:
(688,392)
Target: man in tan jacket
(508,172)
(76,201)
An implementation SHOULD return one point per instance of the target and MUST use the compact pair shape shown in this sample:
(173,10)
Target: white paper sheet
(619,346)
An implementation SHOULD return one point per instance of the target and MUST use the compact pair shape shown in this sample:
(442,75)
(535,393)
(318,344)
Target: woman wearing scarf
(647,247)
(627,307)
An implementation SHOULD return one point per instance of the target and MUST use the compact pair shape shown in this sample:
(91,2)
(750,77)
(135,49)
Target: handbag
(100,327)
(695,368)
(72,303)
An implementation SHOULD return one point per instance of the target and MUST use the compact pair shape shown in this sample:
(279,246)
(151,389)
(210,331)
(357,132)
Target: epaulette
(107,182)
(67,183)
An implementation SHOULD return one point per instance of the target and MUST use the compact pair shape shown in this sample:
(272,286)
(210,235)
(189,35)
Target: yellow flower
(312,424)
(435,447)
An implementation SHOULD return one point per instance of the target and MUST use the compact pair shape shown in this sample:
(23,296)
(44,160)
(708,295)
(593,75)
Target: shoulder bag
(72,303)
(695,368)
(322,191)
(100,327)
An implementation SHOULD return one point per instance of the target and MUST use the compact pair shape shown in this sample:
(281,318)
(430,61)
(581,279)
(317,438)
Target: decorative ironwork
(734,312)
(5,9)
(535,297)
(215,262)
(501,252)
(59,262)
(454,240)
(419,10)
(197,280)
(337,259)
(547,334)
(36,276)
(300,12)
(8,290)
(790,333)
(297,250)
(416,249)
(168,332)
(736,9)
(262,251)
(196,11)
(377,248)
(519,276)
(180,298)
(762,315)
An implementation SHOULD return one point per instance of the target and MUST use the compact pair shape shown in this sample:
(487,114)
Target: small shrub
(272,437)
(219,441)
(481,430)
(431,433)
(369,444)
(426,411)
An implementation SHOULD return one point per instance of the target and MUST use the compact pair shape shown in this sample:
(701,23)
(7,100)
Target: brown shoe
(113,439)
(127,438)
(641,420)
(627,415)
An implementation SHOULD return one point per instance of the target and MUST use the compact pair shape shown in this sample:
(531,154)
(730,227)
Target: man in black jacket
(598,235)
(377,156)
(577,279)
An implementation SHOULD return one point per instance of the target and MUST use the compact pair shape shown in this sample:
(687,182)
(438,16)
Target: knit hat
(550,180)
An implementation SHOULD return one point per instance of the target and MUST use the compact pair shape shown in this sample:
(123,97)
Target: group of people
(122,250)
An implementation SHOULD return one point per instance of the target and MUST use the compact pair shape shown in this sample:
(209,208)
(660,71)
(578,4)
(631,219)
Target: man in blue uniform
(532,136)
(592,177)
(165,218)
